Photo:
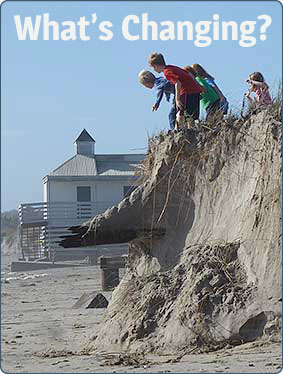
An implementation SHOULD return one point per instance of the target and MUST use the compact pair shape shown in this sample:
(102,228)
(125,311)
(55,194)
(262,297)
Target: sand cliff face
(205,241)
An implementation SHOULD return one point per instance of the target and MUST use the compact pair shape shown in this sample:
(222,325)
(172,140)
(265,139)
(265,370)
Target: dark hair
(256,76)
(156,59)
(189,69)
(201,72)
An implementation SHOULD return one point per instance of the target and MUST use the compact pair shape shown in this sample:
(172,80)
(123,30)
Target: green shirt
(209,96)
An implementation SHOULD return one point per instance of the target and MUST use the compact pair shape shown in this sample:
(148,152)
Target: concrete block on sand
(91,300)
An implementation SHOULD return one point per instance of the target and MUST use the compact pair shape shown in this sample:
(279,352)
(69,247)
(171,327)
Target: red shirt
(188,82)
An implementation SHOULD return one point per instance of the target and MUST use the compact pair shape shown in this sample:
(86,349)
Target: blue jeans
(172,115)
(224,106)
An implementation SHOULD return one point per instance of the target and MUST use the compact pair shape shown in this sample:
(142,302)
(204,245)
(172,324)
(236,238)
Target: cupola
(85,144)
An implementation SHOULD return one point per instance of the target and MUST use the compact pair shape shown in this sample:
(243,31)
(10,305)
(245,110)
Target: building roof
(84,137)
(99,165)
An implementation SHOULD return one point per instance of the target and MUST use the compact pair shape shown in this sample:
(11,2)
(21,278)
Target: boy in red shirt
(187,88)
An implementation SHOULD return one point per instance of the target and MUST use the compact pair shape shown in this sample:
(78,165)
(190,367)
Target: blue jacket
(163,86)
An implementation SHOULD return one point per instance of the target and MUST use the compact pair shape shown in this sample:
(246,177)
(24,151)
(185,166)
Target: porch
(42,225)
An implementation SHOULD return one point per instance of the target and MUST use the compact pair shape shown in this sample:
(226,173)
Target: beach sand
(42,333)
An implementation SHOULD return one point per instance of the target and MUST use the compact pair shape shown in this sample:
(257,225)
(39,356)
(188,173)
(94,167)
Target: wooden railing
(42,224)
(61,212)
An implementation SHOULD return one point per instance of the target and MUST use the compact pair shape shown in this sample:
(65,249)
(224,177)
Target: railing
(61,212)
(42,224)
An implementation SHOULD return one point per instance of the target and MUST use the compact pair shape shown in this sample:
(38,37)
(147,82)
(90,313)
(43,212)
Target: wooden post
(109,279)
(110,271)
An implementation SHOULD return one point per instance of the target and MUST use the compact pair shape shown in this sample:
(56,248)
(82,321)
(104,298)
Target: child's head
(257,76)
(157,62)
(189,69)
(146,78)
(201,72)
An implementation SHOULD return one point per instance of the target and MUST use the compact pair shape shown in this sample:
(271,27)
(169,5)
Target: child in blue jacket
(162,86)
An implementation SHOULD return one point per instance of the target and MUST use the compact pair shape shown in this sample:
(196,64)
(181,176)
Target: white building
(78,189)
(89,177)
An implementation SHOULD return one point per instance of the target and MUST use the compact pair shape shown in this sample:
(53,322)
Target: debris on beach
(121,359)
(53,353)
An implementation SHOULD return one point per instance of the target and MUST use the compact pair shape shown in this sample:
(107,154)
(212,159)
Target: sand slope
(205,251)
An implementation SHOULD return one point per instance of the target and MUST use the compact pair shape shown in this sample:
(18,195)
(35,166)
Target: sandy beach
(42,333)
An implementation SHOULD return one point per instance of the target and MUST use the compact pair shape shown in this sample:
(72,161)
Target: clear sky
(53,89)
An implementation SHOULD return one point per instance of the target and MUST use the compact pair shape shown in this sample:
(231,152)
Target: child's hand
(179,104)
(154,108)
(248,96)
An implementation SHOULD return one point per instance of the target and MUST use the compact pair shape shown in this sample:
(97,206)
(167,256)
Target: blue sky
(51,90)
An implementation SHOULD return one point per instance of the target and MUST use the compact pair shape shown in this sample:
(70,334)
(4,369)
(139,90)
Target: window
(127,190)
(85,148)
(83,194)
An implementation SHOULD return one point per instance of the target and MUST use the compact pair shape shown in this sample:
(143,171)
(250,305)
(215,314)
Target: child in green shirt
(210,100)
(224,105)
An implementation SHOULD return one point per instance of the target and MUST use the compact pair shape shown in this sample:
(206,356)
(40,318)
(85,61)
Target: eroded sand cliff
(204,228)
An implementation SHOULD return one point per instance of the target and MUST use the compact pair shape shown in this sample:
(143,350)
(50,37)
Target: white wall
(110,191)
(67,191)
(45,192)
(100,191)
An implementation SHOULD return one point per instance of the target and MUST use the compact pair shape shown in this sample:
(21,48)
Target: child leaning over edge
(260,88)
(224,105)
(163,86)
(210,100)
(186,87)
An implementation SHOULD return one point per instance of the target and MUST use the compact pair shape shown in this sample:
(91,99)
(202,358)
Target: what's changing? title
(135,28)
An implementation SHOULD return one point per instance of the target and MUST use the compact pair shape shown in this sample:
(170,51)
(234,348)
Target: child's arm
(161,89)
(179,103)
(159,97)
(248,96)
(172,77)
